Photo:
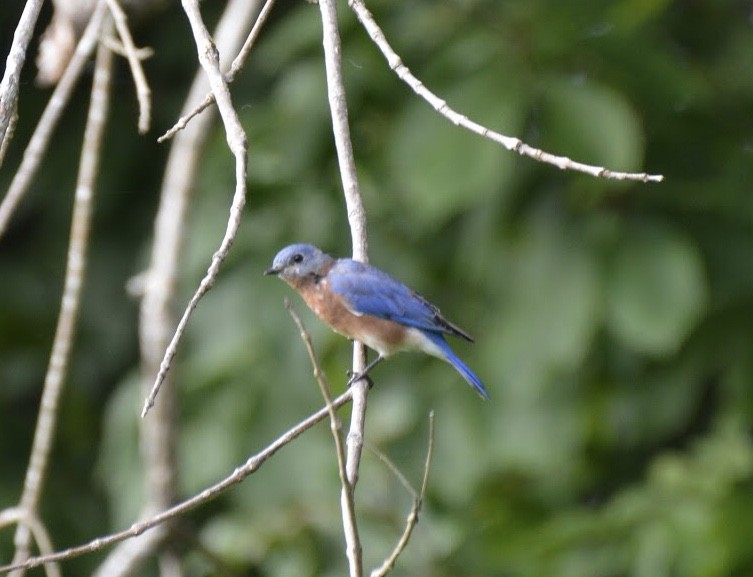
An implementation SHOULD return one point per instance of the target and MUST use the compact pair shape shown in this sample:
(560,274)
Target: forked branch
(418,499)
(237,142)
(252,465)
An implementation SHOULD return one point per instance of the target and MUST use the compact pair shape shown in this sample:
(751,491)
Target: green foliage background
(613,320)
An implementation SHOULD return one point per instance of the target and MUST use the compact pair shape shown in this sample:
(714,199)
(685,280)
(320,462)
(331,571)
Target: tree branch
(74,281)
(510,143)
(156,287)
(235,67)
(236,139)
(13,66)
(252,465)
(38,531)
(335,424)
(129,556)
(143,92)
(357,221)
(418,499)
(41,138)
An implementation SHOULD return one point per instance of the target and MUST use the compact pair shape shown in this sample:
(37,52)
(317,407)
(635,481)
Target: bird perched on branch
(363,303)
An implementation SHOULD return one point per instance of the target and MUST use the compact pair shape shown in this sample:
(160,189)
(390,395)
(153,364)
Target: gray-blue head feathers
(298,261)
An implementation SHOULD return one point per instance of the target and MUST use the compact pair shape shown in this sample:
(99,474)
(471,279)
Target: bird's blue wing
(369,291)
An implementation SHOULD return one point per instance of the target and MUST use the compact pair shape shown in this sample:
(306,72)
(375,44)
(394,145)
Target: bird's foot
(355,377)
(364,374)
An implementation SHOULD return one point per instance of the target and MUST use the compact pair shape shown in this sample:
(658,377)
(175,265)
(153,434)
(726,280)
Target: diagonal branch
(335,424)
(9,132)
(510,143)
(418,499)
(41,138)
(38,531)
(13,66)
(157,291)
(237,142)
(143,93)
(235,67)
(252,465)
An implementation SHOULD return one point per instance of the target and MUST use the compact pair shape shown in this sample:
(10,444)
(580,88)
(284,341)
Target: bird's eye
(297,258)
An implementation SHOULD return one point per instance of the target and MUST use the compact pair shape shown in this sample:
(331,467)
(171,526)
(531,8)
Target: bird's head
(297,262)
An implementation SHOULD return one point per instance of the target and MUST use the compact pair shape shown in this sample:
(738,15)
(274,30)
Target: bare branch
(335,424)
(59,99)
(157,289)
(13,66)
(73,284)
(38,530)
(418,499)
(235,67)
(357,221)
(510,143)
(127,558)
(402,479)
(9,133)
(236,139)
(143,53)
(143,93)
(253,464)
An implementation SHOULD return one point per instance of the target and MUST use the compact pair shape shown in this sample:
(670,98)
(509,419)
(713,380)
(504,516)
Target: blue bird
(363,303)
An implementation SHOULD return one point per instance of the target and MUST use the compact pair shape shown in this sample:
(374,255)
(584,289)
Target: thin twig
(335,424)
(129,556)
(236,139)
(13,66)
(253,464)
(143,92)
(37,529)
(41,138)
(143,53)
(73,284)
(441,106)
(418,499)
(393,469)
(235,67)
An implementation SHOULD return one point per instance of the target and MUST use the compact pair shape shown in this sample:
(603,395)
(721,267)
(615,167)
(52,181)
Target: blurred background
(613,321)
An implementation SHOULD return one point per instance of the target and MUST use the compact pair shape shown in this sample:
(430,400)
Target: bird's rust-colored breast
(386,337)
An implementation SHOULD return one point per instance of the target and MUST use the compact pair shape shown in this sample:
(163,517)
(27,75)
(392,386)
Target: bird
(366,304)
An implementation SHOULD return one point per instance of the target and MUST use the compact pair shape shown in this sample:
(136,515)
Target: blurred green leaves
(657,290)
(464,169)
(582,119)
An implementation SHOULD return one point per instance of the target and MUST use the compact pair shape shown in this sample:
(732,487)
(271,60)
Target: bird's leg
(364,374)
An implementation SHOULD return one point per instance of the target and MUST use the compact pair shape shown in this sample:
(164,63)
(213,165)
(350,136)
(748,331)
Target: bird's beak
(272,270)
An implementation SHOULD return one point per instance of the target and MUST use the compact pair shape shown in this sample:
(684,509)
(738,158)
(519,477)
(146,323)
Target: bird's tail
(449,355)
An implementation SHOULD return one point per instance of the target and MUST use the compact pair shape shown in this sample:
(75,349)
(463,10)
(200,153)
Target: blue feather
(450,356)
(369,291)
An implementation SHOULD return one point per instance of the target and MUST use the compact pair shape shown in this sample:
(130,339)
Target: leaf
(542,334)
(119,468)
(656,290)
(631,14)
(590,123)
(553,307)
(440,169)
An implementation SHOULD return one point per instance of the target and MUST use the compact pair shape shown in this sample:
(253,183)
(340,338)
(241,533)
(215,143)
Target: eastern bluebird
(363,303)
